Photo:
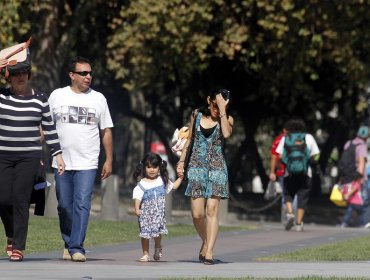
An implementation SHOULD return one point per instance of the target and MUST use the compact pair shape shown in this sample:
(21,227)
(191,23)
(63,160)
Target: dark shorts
(299,185)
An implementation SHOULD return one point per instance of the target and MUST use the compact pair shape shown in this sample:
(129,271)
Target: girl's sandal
(157,254)
(16,256)
(144,258)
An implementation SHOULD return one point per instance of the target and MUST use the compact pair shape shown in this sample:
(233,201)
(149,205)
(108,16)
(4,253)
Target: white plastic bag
(271,190)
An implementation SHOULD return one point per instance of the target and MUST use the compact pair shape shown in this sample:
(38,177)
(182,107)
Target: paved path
(237,252)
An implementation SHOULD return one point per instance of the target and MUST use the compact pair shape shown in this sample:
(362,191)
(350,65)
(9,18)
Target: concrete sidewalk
(235,253)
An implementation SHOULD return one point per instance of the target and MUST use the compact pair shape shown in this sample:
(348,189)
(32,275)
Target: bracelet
(222,115)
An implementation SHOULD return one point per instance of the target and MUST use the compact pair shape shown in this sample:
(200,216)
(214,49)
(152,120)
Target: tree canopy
(157,60)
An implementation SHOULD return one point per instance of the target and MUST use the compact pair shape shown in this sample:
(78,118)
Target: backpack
(347,164)
(296,155)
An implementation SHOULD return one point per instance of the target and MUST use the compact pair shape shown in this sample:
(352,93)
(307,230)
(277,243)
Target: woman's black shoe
(208,261)
(201,258)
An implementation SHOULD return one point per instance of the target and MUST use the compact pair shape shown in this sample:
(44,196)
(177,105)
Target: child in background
(149,195)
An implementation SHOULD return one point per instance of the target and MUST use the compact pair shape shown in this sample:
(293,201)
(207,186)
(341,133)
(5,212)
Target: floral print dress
(207,173)
(152,221)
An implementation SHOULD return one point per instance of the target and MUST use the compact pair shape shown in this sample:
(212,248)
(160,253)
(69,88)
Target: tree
(274,55)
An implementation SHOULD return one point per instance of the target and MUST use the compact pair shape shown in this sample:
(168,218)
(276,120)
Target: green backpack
(296,155)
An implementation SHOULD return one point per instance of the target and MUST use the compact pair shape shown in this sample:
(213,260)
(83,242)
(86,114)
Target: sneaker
(289,221)
(157,254)
(66,255)
(299,227)
(78,257)
(144,258)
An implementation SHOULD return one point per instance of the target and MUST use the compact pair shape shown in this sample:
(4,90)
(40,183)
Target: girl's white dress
(152,221)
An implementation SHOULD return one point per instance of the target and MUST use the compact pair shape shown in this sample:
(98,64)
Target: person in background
(81,114)
(277,168)
(23,110)
(352,184)
(298,184)
(207,172)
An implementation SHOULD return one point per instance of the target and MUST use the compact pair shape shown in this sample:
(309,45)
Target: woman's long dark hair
(152,160)
(225,94)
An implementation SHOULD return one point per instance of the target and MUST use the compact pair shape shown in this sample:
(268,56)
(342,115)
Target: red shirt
(280,167)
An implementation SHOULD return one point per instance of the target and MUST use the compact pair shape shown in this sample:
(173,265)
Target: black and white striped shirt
(20,120)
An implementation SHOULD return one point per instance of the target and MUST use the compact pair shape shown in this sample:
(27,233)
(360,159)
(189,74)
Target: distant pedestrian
(352,167)
(207,173)
(150,197)
(298,149)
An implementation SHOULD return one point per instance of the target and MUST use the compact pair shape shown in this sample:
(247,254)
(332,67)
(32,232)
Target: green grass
(44,234)
(355,249)
(269,278)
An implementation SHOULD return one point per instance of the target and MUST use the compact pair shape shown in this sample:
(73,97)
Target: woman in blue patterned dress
(149,195)
(207,171)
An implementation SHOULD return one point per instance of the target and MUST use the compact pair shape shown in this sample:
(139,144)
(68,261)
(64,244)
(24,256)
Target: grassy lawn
(44,235)
(355,249)
(295,278)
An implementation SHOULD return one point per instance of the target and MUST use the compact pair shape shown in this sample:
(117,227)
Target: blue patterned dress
(152,221)
(207,173)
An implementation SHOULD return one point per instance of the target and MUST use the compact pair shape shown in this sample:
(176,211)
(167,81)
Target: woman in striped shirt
(23,111)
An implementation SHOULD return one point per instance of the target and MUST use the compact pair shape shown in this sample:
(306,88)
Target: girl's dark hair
(152,160)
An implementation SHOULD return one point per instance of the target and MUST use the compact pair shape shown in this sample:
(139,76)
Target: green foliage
(154,40)
(12,26)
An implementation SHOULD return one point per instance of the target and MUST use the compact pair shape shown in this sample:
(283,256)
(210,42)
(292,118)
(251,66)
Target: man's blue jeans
(74,191)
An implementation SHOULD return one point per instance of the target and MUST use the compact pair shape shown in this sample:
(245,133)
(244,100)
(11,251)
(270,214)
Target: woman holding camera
(207,171)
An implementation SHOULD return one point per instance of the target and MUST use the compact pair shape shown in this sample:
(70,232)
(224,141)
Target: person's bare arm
(137,207)
(107,140)
(226,121)
(273,162)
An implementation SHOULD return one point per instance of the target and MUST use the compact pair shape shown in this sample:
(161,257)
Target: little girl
(149,195)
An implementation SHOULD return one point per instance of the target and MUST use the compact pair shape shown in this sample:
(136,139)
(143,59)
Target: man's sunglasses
(83,73)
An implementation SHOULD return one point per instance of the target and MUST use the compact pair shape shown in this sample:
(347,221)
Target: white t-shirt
(138,192)
(311,145)
(78,117)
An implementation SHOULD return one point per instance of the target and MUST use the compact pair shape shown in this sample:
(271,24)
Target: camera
(225,93)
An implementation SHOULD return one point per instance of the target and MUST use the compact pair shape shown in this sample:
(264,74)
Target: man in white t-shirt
(80,114)
(298,184)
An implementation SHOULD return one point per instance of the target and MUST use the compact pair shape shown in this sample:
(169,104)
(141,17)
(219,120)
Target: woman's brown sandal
(16,256)
(9,249)
(208,261)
